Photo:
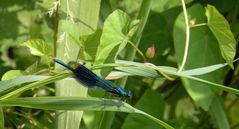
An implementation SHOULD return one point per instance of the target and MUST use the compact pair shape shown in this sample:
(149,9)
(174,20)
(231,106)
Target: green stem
(187,37)
(1,118)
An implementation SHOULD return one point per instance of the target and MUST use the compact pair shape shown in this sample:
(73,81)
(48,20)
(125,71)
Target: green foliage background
(115,35)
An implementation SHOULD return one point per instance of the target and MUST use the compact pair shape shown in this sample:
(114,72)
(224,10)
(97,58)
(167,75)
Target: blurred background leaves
(182,103)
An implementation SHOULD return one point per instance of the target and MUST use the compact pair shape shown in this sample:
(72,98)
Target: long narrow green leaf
(132,68)
(77,103)
(215,85)
(36,84)
(152,73)
(204,70)
(180,74)
(5,85)
(138,71)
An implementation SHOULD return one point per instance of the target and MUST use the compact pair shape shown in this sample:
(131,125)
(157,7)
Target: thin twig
(198,25)
(162,73)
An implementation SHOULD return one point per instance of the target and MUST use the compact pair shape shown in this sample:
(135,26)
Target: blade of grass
(36,84)
(5,85)
(78,103)
(181,74)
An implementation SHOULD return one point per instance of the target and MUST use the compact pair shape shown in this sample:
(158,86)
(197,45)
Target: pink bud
(150,53)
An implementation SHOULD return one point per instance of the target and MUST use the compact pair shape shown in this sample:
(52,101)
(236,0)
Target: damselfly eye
(129,94)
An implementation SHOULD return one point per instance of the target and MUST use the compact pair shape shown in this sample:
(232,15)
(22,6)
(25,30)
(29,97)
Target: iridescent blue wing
(112,88)
(86,76)
(106,85)
(90,79)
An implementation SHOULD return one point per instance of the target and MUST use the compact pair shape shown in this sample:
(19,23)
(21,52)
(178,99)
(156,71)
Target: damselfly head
(129,94)
(73,64)
(122,93)
(126,96)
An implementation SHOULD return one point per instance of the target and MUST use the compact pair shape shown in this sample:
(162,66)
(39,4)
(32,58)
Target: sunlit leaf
(114,37)
(221,30)
(72,29)
(90,43)
(12,74)
(39,47)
